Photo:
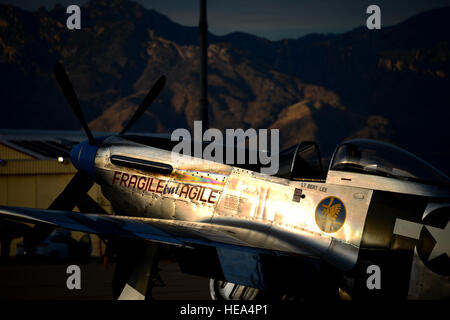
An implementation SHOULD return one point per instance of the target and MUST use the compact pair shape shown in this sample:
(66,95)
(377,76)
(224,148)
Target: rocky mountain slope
(390,84)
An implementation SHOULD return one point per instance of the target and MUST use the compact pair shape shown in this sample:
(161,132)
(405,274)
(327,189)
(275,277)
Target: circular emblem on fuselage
(330,214)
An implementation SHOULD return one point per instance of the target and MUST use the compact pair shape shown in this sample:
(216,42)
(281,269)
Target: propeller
(80,184)
(71,96)
(148,100)
(75,193)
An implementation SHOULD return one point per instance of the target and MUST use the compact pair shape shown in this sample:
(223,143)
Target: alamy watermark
(74,279)
(73,22)
(374,280)
(374,20)
(238,144)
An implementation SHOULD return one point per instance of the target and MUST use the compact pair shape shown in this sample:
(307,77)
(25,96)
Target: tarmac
(43,281)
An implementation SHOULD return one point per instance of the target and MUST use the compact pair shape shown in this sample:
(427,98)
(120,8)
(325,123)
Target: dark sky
(274,19)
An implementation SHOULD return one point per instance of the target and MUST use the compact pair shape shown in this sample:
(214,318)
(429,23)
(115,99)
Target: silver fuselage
(231,205)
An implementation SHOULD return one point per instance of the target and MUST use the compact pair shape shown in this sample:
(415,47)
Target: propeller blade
(71,97)
(87,204)
(73,193)
(151,96)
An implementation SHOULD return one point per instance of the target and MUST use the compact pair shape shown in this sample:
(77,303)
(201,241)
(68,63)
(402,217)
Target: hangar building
(35,167)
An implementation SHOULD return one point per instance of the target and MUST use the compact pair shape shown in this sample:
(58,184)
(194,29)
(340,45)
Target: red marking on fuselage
(196,193)
(160,186)
(114,177)
(139,185)
(132,181)
(123,180)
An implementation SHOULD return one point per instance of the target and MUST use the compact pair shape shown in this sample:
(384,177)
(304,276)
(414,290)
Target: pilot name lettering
(163,187)
(313,187)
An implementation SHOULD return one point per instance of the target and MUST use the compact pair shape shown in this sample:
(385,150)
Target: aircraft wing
(179,233)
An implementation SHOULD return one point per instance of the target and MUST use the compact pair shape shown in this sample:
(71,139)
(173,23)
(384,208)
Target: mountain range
(390,84)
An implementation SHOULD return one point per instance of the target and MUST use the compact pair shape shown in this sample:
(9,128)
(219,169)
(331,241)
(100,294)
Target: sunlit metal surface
(230,204)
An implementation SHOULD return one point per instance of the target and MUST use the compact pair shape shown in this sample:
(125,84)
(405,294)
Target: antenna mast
(203,28)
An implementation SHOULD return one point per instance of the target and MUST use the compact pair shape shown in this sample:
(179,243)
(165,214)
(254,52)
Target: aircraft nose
(83,157)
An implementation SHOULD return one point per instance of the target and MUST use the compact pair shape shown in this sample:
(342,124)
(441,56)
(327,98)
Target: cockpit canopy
(382,159)
(301,162)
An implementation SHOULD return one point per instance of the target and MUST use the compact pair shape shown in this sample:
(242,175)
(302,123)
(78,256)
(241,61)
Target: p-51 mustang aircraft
(374,226)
